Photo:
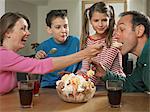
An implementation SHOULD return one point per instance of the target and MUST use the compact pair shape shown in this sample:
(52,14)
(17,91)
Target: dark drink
(26,97)
(36,88)
(114,97)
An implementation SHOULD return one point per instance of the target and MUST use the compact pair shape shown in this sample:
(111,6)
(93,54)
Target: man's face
(60,29)
(126,35)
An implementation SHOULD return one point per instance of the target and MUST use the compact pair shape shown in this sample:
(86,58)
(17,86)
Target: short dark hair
(54,14)
(138,18)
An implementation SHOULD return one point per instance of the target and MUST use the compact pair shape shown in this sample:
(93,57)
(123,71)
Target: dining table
(49,101)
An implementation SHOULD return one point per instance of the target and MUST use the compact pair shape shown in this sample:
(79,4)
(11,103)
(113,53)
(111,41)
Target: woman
(14,32)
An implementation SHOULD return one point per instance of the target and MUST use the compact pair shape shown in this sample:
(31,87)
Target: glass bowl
(74,96)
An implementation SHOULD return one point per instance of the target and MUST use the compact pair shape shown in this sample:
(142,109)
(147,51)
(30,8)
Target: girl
(101,17)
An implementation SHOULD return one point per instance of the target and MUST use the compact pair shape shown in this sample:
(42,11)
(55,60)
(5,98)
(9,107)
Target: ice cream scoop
(117,44)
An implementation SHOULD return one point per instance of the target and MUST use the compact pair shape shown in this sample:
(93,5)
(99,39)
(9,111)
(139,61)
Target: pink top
(111,57)
(11,62)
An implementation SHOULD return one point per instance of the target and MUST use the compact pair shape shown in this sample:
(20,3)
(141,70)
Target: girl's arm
(109,57)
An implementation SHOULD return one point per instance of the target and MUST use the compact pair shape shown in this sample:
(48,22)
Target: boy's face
(59,29)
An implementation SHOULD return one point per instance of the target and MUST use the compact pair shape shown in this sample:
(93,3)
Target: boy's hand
(64,72)
(40,54)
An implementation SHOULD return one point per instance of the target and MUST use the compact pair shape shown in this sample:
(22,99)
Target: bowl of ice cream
(75,88)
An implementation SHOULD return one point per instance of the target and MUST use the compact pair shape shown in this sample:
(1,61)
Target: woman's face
(60,29)
(18,35)
(100,22)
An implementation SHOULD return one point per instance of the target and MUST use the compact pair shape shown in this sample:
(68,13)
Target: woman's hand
(93,50)
(40,54)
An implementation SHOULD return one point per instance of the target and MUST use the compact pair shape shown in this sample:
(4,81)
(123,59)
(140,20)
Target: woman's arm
(65,61)
(11,61)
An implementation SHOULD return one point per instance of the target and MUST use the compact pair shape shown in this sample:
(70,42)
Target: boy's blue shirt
(70,46)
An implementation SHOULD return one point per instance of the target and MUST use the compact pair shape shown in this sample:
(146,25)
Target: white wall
(37,14)
(138,5)
(74,11)
(30,11)
(148,7)
(2,7)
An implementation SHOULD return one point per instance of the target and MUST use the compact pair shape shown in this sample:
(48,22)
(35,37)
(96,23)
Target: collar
(144,57)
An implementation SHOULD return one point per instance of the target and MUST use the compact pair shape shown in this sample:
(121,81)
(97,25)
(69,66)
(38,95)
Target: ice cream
(90,73)
(116,44)
(75,87)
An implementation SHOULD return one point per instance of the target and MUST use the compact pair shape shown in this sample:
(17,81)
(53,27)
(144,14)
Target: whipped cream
(74,83)
(117,44)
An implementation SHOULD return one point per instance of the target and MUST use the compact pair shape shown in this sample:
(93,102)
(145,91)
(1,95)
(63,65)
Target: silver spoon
(53,50)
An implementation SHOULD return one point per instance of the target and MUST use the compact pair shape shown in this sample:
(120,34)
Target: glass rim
(117,85)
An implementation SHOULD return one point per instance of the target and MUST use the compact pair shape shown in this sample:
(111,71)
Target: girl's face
(18,35)
(59,29)
(99,22)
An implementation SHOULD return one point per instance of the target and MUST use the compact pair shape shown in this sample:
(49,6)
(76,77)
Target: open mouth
(24,40)
(64,36)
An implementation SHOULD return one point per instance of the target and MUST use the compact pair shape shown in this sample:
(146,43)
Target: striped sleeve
(108,56)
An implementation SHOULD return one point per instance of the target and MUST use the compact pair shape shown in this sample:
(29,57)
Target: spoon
(53,50)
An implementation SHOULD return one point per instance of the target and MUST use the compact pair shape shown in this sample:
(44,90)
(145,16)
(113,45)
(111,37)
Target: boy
(59,44)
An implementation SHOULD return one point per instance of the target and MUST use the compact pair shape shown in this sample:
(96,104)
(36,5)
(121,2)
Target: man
(133,32)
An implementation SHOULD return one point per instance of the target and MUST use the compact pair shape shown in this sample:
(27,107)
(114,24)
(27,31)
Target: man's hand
(100,69)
